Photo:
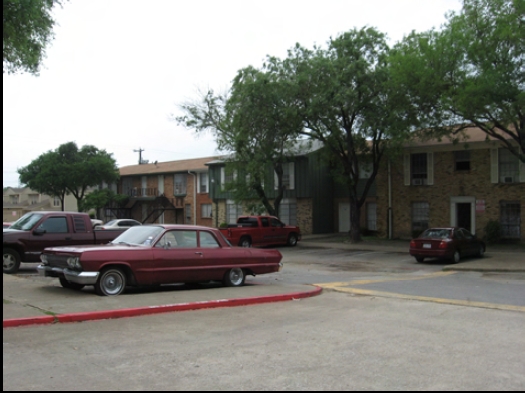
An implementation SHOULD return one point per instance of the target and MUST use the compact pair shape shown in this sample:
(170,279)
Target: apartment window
(13,199)
(179,184)
(419,169)
(288,176)
(233,211)
(56,201)
(227,177)
(206,210)
(420,215)
(509,167)
(187,210)
(510,212)
(33,199)
(127,185)
(288,212)
(462,160)
(203,183)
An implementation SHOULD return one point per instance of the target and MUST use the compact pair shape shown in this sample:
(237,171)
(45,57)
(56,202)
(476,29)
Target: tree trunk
(355,221)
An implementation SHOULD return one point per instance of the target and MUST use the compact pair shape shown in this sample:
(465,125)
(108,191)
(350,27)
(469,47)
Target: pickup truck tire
(111,282)
(70,285)
(11,261)
(292,240)
(234,277)
(245,242)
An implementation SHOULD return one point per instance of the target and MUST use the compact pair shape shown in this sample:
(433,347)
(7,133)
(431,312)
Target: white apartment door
(344,217)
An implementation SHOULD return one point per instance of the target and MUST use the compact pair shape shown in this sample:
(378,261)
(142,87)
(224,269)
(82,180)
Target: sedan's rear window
(436,234)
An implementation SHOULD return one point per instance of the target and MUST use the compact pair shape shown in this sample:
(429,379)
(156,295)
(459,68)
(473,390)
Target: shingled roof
(194,164)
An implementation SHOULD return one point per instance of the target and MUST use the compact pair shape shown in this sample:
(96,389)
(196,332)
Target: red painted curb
(133,312)
(29,321)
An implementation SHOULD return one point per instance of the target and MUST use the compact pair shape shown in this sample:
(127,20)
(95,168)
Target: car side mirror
(39,232)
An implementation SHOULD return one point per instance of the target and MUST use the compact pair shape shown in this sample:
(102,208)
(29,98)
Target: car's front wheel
(292,240)
(11,261)
(234,277)
(111,282)
(70,285)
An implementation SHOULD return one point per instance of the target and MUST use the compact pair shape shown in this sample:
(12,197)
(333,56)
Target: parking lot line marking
(364,282)
(454,302)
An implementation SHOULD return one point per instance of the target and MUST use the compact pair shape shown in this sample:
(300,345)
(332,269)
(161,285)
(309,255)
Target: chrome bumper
(84,278)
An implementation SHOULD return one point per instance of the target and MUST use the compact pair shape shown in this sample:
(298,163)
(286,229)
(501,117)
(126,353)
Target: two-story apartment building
(434,183)
(174,192)
(18,201)
(441,183)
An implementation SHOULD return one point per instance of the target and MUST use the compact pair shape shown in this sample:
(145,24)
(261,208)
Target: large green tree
(28,29)
(70,170)
(471,73)
(47,174)
(255,123)
(344,96)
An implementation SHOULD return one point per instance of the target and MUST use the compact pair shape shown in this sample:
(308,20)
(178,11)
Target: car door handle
(198,253)
(69,238)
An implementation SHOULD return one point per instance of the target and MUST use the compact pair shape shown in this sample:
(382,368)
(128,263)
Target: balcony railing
(143,192)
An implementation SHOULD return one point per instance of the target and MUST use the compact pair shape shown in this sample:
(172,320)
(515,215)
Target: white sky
(117,69)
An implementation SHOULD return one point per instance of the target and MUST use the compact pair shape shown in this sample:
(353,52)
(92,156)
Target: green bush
(223,225)
(493,231)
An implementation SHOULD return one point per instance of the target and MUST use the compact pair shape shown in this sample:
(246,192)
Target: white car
(96,222)
(118,224)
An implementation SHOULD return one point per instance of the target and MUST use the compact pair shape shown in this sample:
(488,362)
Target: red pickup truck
(27,237)
(261,231)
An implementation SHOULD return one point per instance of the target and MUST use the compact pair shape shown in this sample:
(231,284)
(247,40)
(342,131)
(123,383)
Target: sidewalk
(30,301)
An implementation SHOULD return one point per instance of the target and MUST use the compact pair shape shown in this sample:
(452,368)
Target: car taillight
(443,244)
(412,243)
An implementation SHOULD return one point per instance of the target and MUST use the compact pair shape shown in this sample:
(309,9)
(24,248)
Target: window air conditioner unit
(418,182)
(507,179)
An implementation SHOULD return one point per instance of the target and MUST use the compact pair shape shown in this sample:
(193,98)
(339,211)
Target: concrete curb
(150,310)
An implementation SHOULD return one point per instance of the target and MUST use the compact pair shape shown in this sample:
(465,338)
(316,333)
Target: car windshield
(111,222)
(436,234)
(26,222)
(139,235)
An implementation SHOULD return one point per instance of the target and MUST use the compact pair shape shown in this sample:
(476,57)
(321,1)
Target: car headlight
(74,263)
(43,258)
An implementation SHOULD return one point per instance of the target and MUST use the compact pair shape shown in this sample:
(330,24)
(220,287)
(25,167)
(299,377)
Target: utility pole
(140,150)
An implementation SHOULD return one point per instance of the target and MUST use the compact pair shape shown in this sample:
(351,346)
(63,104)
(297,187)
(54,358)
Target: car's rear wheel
(420,259)
(245,242)
(456,257)
(70,285)
(292,240)
(111,282)
(11,261)
(234,277)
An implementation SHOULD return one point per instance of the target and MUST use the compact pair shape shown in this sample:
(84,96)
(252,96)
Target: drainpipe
(194,197)
(389,201)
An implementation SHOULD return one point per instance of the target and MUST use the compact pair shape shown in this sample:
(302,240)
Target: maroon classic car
(157,254)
